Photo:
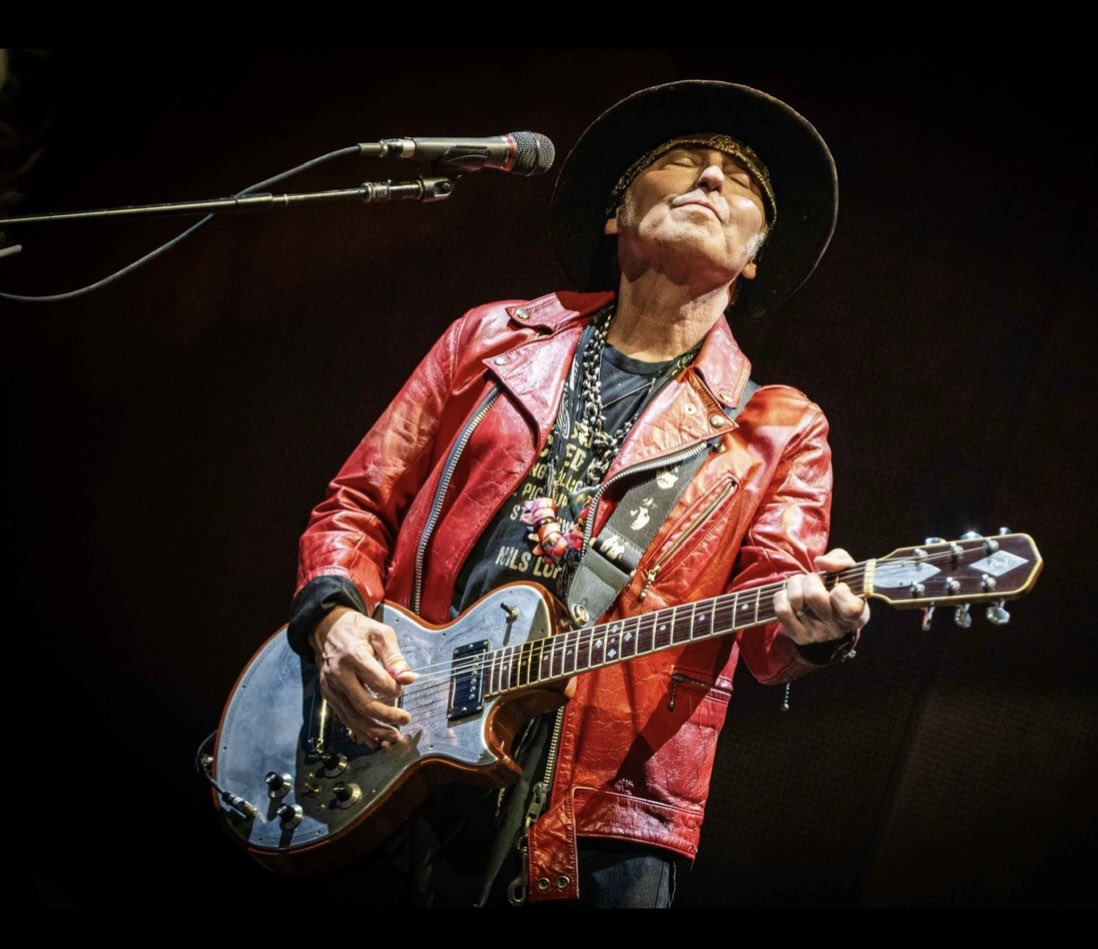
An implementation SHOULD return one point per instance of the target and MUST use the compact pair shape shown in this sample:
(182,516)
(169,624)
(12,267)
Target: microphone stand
(424,190)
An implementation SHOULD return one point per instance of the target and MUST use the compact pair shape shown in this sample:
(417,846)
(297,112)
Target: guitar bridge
(467,680)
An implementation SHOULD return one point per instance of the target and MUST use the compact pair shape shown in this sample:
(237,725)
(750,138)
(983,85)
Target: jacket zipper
(443,485)
(662,462)
(678,678)
(650,574)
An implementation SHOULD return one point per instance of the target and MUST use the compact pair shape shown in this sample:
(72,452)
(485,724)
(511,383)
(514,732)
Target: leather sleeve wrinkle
(788,532)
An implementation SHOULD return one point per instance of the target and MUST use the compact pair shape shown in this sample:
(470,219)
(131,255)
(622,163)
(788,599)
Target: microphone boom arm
(424,190)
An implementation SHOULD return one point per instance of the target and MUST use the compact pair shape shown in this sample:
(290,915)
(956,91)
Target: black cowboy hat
(801,169)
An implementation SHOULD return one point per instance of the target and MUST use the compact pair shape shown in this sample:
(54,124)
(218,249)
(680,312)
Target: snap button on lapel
(717,421)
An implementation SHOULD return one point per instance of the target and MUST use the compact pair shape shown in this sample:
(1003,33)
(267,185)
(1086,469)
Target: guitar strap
(612,558)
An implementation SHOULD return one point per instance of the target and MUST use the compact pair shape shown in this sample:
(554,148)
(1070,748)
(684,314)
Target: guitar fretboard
(578,650)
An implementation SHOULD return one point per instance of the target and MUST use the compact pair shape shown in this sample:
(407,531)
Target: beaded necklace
(558,538)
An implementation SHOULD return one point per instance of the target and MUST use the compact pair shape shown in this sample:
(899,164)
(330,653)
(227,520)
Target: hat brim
(801,169)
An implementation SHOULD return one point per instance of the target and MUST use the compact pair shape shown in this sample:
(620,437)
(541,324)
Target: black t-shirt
(505,552)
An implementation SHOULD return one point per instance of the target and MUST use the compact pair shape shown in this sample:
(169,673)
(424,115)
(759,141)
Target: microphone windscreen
(534,153)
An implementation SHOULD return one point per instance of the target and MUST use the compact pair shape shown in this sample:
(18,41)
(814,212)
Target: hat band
(721,143)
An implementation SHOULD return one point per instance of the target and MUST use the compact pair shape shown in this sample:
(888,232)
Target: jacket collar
(535,370)
(687,411)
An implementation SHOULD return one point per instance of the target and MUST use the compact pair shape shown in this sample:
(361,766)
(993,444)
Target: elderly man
(514,450)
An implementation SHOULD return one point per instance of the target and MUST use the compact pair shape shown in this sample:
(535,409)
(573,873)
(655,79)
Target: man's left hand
(810,614)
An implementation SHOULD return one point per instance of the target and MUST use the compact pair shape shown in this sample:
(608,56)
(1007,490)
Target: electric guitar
(299,795)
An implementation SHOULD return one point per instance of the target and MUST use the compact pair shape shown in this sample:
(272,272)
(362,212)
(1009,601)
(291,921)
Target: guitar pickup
(467,680)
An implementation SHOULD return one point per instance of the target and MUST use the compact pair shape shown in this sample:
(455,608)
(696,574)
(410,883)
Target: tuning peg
(928,615)
(1004,530)
(997,615)
(962,617)
(934,540)
(971,535)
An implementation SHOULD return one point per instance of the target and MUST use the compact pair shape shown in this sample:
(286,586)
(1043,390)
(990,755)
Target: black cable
(156,252)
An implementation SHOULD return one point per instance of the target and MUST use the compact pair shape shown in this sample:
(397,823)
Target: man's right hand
(361,674)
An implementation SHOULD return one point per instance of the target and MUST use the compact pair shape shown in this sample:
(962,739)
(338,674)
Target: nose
(711,178)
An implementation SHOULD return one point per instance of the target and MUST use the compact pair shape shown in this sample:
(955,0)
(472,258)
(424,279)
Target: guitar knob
(334,763)
(346,794)
(289,816)
(278,785)
(962,617)
(997,615)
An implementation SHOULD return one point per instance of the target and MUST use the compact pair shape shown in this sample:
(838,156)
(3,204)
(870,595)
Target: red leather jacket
(638,739)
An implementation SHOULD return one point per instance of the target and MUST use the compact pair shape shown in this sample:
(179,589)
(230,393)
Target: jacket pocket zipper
(678,678)
(650,574)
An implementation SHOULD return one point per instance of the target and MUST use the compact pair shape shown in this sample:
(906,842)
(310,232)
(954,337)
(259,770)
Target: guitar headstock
(974,569)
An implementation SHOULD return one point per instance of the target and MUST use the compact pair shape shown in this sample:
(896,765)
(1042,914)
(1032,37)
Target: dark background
(167,436)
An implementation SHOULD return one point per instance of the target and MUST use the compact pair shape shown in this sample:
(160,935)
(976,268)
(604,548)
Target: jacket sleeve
(788,532)
(347,543)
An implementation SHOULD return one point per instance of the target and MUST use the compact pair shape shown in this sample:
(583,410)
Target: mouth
(697,203)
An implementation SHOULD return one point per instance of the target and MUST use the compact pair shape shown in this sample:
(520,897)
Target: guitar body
(339,799)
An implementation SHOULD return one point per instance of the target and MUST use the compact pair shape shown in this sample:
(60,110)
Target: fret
(629,632)
(758,596)
(662,629)
(598,645)
(743,612)
(545,659)
(584,645)
(612,652)
(568,665)
(524,664)
(703,615)
(768,612)
(682,626)
(509,668)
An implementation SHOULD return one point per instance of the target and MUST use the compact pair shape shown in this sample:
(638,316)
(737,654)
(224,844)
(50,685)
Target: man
(510,448)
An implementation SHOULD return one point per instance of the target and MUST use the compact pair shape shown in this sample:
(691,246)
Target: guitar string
(504,675)
(444,668)
(441,674)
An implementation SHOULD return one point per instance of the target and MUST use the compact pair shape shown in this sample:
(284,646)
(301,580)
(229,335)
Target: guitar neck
(571,652)
(971,570)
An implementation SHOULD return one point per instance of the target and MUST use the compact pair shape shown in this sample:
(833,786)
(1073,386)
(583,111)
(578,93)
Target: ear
(749,270)
(611,227)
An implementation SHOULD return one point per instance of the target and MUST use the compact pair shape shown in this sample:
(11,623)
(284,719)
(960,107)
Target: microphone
(520,153)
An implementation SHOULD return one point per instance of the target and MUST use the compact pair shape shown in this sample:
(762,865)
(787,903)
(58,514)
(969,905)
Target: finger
(817,600)
(794,588)
(848,609)
(384,643)
(834,560)
(360,705)
(783,609)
